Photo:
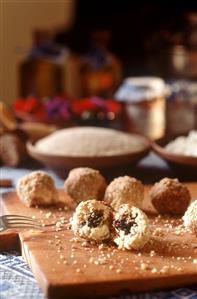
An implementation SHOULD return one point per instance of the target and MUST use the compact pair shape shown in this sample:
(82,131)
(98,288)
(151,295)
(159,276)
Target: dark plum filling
(95,218)
(125,222)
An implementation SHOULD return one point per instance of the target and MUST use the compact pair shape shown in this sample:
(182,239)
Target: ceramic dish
(61,164)
(172,158)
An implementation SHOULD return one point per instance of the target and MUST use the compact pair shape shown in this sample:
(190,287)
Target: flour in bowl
(184,145)
(90,142)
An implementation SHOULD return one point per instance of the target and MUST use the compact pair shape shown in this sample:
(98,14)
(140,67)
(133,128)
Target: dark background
(139,29)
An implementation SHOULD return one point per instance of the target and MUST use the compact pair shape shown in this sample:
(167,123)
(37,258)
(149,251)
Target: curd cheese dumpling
(85,183)
(124,190)
(132,228)
(190,217)
(92,220)
(169,196)
(37,188)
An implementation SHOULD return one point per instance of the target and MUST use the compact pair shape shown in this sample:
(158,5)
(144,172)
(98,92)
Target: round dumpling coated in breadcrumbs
(169,196)
(190,217)
(85,183)
(124,190)
(37,188)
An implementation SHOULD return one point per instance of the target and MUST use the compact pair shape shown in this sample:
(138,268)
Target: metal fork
(18,221)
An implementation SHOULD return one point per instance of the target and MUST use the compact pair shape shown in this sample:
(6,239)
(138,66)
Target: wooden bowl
(62,164)
(180,163)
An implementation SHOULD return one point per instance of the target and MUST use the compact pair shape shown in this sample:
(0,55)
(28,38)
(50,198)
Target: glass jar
(41,73)
(101,72)
(182,107)
(144,105)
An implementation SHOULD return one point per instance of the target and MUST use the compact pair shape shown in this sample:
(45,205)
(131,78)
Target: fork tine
(18,217)
(22,221)
(23,226)
(7,221)
(19,221)
(29,222)
(11,225)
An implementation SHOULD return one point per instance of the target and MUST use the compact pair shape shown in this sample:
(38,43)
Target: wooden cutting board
(66,266)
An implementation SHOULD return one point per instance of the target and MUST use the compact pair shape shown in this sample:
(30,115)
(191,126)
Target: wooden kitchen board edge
(87,289)
(9,240)
(26,254)
(111,289)
(134,285)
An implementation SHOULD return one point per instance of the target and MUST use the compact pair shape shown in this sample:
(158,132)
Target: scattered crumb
(75,239)
(91,259)
(152,253)
(178,258)
(179,269)
(48,215)
(144,266)
(101,246)
(73,246)
(165,269)
(58,224)
(85,244)
(62,220)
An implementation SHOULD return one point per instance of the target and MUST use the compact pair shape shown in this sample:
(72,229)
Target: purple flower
(65,111)
(58,108)
(99,102)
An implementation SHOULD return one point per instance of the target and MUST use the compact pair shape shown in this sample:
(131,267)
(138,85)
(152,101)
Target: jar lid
(183,91)
(137,89)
